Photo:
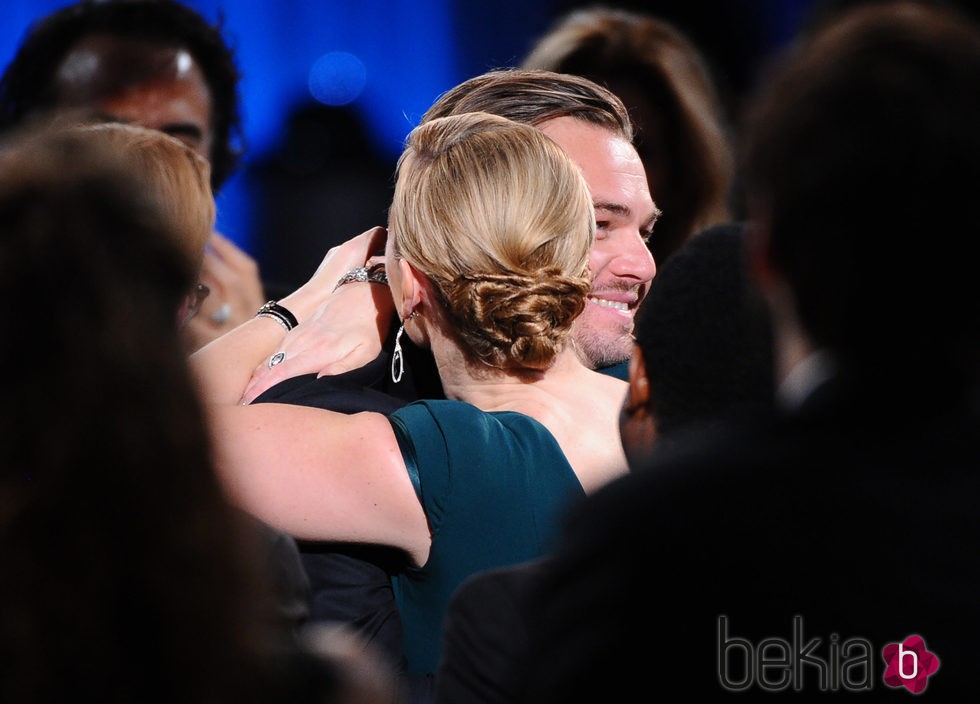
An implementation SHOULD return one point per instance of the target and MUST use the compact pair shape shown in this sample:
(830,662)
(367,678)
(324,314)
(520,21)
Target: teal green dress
(494,486)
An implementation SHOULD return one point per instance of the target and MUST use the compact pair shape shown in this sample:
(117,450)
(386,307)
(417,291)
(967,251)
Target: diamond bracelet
(376,274)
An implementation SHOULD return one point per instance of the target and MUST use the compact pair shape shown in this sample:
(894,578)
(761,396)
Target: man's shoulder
(617,371)
(363,389)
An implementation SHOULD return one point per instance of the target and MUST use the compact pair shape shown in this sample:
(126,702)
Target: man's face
(161,87)
(621,264)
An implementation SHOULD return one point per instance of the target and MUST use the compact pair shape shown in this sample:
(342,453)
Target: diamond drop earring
(397,358)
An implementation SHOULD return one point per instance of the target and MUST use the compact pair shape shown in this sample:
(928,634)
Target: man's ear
(792,343)
(637,427)
(638,392)
(758,255)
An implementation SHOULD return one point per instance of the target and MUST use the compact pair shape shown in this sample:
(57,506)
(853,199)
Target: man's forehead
(102,65)
(593,147)
(610,164)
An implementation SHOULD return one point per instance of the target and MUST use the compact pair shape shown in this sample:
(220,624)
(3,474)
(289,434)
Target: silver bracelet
(282,314)
(275,317)
(376,274)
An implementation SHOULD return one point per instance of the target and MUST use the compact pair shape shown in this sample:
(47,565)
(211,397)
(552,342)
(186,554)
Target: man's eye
(601,227)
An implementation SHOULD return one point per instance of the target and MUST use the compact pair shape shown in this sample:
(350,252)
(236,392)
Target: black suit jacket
(771,559)
(351,583)
(485,635)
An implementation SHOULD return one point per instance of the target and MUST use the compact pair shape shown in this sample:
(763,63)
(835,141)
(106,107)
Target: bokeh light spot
(337,78)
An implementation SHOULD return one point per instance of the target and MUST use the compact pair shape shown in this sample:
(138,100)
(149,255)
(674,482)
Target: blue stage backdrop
(386,59)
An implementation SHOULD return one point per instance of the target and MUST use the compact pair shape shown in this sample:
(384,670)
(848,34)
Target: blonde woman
(487,260)
(171,176)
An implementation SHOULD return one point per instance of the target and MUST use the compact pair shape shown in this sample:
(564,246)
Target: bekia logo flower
(909,664)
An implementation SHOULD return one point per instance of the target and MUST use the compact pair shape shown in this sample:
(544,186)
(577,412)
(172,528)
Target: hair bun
(516,320)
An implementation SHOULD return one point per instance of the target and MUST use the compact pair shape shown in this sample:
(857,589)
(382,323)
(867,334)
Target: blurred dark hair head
(27,85)
(127,574)
(705,334)
(862,167)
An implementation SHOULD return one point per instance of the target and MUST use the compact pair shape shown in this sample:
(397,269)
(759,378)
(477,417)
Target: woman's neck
(499,390)
(579,406)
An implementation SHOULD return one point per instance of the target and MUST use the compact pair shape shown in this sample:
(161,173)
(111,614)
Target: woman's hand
(340,328)
(305,301)
(346,332)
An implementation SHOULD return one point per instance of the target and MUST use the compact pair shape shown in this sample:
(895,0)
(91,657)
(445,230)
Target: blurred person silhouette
(176,179)
(128,575)
(703,353)
(351,582)
(703,357)
(156,63)
(832,549)
(170,173)
(820,11)
(490,234)
(682,130)
(323,181)
(161,65)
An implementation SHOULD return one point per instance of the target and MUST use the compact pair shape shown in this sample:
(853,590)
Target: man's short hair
(534,96)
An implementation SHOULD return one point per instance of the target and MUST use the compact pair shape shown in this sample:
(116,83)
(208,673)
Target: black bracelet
(273,310)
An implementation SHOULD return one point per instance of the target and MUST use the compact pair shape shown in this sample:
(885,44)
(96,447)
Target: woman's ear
(409,296)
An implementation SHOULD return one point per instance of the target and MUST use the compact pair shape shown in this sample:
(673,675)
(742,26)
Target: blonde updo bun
(512,320)
(500,220)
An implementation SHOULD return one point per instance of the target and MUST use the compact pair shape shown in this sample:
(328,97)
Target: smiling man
(621,264)
(593,127)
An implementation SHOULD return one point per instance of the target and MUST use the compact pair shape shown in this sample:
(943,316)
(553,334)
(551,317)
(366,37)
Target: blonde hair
(500,221)
(169,175)
(174,177)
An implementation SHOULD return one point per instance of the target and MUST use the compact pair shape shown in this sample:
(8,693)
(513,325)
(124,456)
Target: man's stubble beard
(599,349)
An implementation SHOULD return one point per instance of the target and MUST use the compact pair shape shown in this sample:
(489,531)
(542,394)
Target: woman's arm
(320,475)
(313,473)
